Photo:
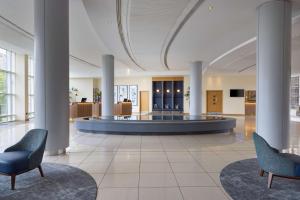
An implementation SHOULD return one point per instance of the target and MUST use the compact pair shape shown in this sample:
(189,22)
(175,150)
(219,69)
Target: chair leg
(13,181)
(261,172)
(41,170)
(270,179)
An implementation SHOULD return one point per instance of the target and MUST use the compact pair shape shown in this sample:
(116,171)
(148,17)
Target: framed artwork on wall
(115,94)
(122,92)
(133,94)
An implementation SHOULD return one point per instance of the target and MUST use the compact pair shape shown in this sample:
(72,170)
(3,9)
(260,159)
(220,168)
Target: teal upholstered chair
(275,163)
(24,156)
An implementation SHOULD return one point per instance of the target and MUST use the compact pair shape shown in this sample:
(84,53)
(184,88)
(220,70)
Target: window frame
(10,71)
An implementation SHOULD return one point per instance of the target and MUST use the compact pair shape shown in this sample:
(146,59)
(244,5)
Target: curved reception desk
(151,124)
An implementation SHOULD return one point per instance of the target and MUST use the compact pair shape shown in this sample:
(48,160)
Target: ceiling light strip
(233,50)
(246,68)
(84,61)
(294,20)
(178,29)
(29,35)
(16,27)
(121,33)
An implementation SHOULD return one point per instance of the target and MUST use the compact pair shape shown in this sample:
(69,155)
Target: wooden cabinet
(124,108)
(80,110)
(94,109)
(250,102)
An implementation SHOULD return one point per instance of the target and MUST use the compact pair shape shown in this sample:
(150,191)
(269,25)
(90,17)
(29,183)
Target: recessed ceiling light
(210,7)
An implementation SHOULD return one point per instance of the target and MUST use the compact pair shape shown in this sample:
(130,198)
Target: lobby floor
(181,167)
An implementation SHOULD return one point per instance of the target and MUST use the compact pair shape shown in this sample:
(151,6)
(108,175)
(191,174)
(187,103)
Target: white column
(51,58)
(274,72)
(196,89)
(107,85)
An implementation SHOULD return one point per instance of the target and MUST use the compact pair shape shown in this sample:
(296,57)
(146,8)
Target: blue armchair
(24,156)
(275,163)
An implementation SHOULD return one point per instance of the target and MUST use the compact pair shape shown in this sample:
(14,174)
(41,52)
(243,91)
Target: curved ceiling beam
(233,50)
(29,35)
(177,30)
(295,19)
(127,48)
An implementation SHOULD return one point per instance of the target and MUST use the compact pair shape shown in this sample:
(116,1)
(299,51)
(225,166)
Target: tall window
(30,88)
(7,85)
(294,92)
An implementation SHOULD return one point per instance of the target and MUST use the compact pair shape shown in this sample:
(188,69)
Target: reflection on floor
(154,167)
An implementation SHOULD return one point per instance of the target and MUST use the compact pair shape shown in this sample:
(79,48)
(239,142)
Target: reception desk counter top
(170,124)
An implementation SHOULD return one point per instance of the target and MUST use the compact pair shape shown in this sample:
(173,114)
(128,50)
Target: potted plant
(97,95)
(187,94)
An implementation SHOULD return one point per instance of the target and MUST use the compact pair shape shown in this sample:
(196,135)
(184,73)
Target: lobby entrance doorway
(214,101)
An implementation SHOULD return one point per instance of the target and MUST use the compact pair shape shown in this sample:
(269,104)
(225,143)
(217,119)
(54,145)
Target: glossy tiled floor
(152,167)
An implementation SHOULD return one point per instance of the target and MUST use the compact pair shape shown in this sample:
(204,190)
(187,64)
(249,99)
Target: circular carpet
(241,180)
(60,182)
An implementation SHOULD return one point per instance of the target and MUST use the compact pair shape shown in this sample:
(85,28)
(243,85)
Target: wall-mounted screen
(237,93)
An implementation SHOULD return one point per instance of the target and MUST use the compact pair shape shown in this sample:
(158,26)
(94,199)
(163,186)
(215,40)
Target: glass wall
(295,92)
(7,85)
(30,88)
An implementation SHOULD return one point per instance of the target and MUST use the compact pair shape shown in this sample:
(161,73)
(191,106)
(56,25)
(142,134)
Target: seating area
(24,156)
(275,163)
(150,100)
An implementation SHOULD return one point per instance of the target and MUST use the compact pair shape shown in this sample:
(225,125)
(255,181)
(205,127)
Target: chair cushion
(295,159)
(14,162)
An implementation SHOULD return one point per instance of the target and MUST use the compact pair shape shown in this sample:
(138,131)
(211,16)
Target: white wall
(97,83)
(84,86)
(231,105)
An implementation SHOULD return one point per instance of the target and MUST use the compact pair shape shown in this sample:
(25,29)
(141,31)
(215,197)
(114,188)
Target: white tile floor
(181,167)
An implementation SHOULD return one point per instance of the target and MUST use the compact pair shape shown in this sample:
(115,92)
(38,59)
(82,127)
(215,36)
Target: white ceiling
(148,25)
(208,34)
(242,59)
(151,21)
(216,36)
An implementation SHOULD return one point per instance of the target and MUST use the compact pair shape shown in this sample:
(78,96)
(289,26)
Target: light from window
(30,88)
(295,92)
(7,85)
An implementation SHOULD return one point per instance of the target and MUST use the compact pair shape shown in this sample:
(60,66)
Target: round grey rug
(241,181)
(60,182)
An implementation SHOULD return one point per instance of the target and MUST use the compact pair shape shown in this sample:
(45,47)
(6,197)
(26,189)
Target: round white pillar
(273,72)
(107,85)
(51,56)
(196,89)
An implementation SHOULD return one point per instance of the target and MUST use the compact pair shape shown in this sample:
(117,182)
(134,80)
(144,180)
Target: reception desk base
(156,124)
